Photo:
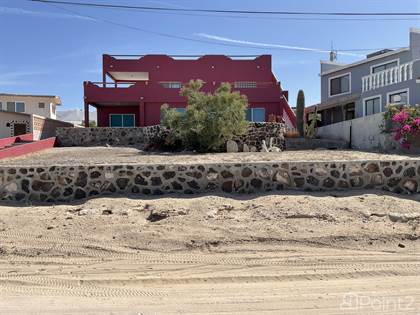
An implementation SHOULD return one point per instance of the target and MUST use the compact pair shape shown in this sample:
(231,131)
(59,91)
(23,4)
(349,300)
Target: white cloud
(268,45)
(18,77)
(40,14)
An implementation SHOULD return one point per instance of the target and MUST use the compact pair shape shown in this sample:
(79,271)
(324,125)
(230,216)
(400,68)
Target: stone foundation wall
(66,183)
(69,137)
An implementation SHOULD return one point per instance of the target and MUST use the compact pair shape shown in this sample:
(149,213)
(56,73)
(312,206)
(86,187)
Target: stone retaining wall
(140,136)
(258,132)
(66,183)
(70,137)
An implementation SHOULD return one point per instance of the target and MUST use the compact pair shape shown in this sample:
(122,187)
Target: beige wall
(32,104)
(7,121)
(43,128)
(39,126)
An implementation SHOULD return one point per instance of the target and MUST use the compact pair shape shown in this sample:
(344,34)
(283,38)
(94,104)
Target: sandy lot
(130,155)
(289,253)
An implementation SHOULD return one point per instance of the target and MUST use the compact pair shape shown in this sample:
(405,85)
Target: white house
(42,105)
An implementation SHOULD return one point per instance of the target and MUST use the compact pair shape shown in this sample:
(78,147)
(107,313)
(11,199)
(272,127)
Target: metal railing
(187,57)
(114,84)
(387,77)
(236,85)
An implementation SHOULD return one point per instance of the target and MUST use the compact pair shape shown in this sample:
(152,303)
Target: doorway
(19,129)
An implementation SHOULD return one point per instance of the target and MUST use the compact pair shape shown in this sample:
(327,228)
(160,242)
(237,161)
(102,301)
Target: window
(372,106)
(340,85)
(255,114)
(245,85)
(121,120)
(1,106)
(10,106)
(400,98)
(41,105)
(385,66)
(20,107)
(171,85)
(15,107)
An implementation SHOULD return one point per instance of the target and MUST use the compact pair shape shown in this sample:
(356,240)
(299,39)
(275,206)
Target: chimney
(333,56)
(415,42)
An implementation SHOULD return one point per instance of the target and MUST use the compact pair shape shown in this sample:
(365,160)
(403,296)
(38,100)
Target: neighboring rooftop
(57,98)
(376,55)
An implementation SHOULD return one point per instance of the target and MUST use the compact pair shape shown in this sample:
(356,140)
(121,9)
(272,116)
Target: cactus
(310,129)
(300,112)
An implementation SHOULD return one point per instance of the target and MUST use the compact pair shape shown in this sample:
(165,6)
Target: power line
(173,36)
(115,6)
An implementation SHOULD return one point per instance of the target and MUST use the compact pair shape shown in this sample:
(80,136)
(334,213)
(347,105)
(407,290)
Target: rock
(231,146)
(226,174)
(264,147)
(157,216)
(282,177)
(410,185)
(245,148)
(396,217)
(252,149)
(246,172)
(400,245)
(274,149)
(372,168)
(12,187)
(106,212)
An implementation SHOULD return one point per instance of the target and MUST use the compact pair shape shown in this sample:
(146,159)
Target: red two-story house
(141,84)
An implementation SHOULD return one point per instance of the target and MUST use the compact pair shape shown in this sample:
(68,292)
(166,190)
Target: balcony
(156,92)
(387,77)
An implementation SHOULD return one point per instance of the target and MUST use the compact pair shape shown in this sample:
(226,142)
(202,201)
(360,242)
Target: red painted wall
(212,69)
(27,148)
(10,140)
(208,67)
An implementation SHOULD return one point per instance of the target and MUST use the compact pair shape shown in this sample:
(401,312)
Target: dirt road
(320,253)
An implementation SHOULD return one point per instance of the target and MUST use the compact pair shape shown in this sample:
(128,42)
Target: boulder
(231,146)
(264,147)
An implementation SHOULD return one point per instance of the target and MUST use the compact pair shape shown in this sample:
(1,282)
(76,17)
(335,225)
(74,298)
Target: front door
(19,129)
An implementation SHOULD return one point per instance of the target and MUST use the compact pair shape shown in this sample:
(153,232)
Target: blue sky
(46,50)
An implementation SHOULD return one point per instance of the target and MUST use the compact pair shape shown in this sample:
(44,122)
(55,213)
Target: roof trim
(14,113)
(30,95)
(365,60)
(56,98)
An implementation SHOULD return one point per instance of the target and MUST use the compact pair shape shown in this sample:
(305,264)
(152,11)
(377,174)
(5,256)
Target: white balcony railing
(389,76)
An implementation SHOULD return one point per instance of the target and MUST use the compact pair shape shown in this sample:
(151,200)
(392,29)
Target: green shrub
(209,120)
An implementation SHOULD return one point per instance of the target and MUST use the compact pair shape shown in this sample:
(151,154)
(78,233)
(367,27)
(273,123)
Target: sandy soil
(289,253)
(130,155)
